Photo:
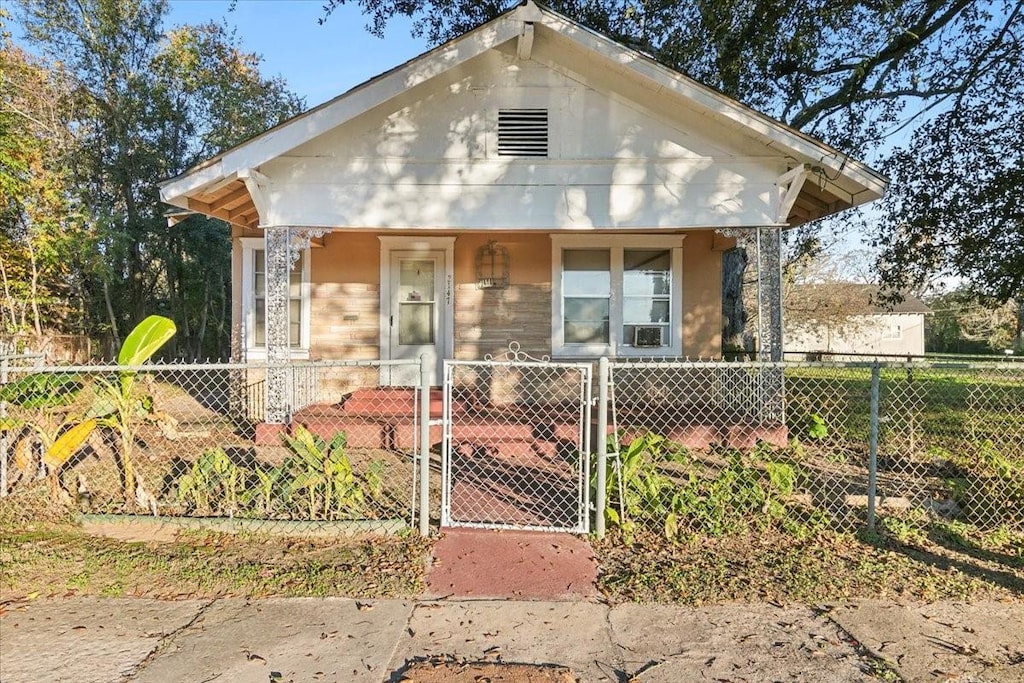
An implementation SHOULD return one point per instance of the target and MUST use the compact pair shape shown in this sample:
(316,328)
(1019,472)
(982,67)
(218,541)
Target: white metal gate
(516,444)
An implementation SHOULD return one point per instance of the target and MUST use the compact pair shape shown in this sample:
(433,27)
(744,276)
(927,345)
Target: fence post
(873,453)
(3,432)
(426,374)
(602,445)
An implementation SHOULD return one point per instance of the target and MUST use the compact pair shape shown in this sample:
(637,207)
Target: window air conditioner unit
(647,336)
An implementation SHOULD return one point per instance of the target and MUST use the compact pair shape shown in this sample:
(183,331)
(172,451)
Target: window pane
(648,336)
(646,272)
(259,332)
(586,272)
(416,280)
(586,321)
(295,322)
(259,282)
(643,311)
(586,309)
(586,333)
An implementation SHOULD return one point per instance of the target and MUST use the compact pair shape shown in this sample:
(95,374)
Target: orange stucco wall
(345,292)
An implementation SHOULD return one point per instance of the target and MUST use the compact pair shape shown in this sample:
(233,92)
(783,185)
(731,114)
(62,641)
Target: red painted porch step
(389,402)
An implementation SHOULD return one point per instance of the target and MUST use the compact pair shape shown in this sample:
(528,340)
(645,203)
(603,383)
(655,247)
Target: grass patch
(778,567)
(60,560)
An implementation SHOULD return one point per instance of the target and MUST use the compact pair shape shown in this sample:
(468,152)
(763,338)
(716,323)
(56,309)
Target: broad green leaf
(671,526)
(339,442)
(42,390)
(69,442)
(145,340)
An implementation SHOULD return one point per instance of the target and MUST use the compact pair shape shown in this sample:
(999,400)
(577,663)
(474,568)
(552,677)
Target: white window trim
(252,352)
(616,243)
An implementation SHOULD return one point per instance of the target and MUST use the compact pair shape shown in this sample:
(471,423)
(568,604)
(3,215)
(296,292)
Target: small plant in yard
(120,407)
(654,483)
(265,491)
(212,483)
(816,428)
(320,473)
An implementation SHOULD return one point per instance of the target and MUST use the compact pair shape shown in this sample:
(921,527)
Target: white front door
(417,310)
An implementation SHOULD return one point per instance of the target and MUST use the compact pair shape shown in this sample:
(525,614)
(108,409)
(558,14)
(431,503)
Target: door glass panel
(416,302)
(415,323)
(416,281)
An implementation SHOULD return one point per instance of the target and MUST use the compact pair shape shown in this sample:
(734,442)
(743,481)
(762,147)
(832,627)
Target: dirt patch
(139,532)
(778,567)
(448,670)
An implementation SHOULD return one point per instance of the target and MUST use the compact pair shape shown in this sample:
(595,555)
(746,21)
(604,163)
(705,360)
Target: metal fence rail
(193,440)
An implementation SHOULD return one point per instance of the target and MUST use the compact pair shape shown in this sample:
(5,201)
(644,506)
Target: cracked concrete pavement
(337,639)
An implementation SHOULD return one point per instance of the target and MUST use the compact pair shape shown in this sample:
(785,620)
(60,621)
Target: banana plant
(117,405)
(120,407)
(323,472)
(41,425)
(267,491)
(212,483)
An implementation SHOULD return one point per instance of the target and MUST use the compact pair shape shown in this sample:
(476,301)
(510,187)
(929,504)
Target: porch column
(278,256)
(769,306)
(769,293)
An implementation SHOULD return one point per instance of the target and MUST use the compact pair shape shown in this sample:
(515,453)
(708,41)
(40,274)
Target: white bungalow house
(530,181)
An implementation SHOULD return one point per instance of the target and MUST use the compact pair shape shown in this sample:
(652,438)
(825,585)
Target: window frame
(617,244)
(250,245)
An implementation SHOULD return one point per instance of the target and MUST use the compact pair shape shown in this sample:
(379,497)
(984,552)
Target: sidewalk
(337,639)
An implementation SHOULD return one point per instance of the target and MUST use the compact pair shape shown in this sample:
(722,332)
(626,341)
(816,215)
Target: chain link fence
(681,447)
(193,441)
(714,446)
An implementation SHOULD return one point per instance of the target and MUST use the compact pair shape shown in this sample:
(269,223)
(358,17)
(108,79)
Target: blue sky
(317,61)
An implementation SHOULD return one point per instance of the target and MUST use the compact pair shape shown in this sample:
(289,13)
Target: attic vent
(523,132)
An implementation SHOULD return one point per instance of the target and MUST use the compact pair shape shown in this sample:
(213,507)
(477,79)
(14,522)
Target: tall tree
(954,210)
(153,102)
(40,228)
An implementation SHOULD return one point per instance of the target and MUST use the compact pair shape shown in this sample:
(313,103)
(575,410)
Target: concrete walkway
(304,639)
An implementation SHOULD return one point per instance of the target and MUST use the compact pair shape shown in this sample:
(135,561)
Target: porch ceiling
(814,202)
(230,202)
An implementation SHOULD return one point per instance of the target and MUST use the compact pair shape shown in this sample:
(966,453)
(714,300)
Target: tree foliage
(954,210)
(960,323)
(40,228)
(150,102)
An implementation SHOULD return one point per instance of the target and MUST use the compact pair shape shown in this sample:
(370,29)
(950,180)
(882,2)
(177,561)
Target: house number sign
(448,291)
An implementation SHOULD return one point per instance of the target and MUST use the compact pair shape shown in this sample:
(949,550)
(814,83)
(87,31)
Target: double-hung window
(254,301)
(616,294)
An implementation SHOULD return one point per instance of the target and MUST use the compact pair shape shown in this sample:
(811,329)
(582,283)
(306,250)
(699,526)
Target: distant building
(838,319)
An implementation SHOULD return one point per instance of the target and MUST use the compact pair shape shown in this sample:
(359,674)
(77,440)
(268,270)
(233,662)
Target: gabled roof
(217,187)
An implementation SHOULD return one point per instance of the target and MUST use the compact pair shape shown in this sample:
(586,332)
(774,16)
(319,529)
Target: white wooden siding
(621,156)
